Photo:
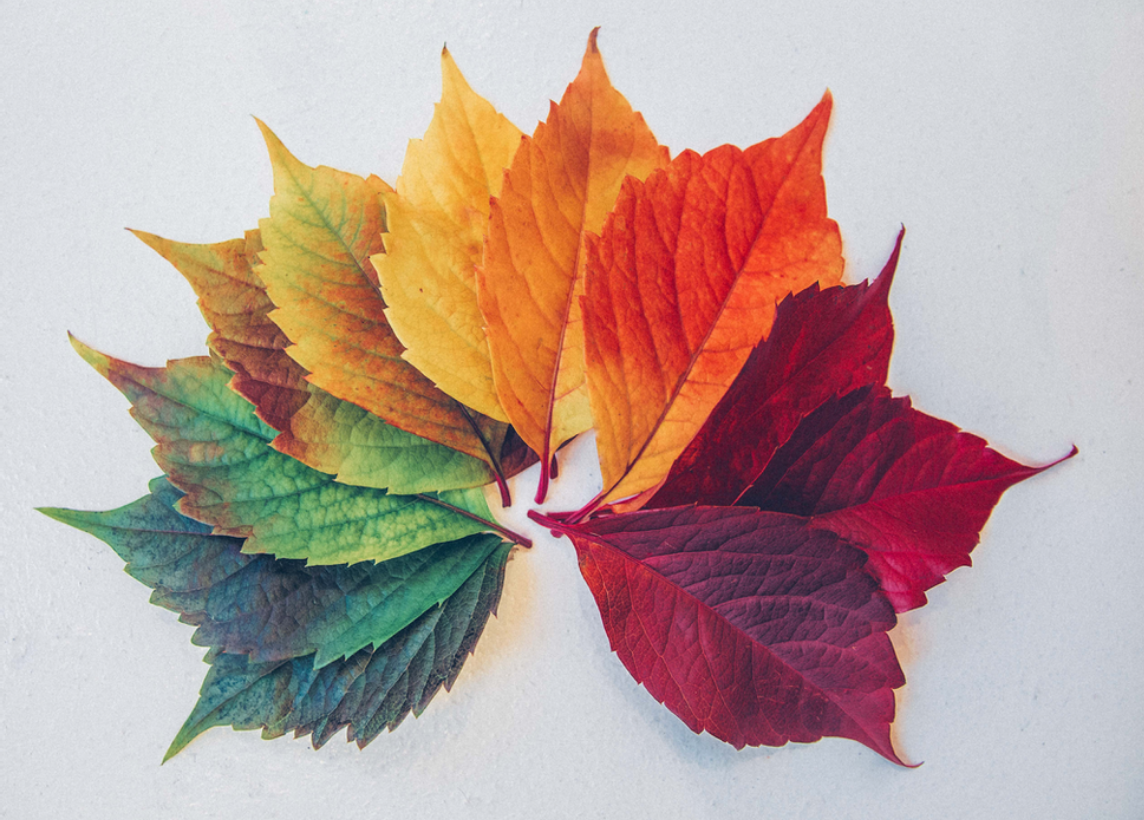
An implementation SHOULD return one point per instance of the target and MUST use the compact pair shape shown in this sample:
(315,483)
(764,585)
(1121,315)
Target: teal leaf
(303,648)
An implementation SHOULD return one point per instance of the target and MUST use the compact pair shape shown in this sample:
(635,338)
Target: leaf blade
(912,490)
(217,451)
(318,429)
(682,285)
(562,183)
(823,343)
(745,624)
(288,642)
(434,236)
(324,226)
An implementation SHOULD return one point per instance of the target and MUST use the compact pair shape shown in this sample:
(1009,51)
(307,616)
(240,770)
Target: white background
(1010,141)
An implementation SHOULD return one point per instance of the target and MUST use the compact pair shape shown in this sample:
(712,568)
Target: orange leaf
(683,284)
(324,225)
(562,183)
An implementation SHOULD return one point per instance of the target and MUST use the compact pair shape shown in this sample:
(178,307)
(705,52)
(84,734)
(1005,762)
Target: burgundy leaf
(823,343)
(910,489)
(749,625)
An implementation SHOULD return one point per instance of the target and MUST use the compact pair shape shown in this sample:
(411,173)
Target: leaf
(316,428)
(214,448)
(910,489)
(368,692)
(683,283)
(294,647)
(749,625)
(323,228)
(823,343)
(435,229)
(562,183)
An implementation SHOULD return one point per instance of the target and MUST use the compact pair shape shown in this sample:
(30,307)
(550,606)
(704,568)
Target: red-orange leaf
(683,284)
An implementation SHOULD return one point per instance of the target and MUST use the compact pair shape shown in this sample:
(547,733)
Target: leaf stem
(515,537)
(494,460)
(586,510)
(556,524)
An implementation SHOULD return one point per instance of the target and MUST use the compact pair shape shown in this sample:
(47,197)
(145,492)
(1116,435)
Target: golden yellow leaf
(435,227)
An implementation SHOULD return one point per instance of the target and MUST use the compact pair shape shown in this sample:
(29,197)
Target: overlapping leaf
(824,343)
(318,429)
(323,228)
(214,448)
(683,284)
(910,489)
(306,649)
(561,185)
(690,310)
(806,441)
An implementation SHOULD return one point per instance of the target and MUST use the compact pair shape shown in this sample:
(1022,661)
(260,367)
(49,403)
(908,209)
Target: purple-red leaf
(750,625)
(910,489)
(823,343)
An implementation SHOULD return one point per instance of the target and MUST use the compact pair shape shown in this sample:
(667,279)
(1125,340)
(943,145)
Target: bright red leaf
(750,625)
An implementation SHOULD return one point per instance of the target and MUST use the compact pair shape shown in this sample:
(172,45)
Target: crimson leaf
(910,489)
(823,343)
(750,625)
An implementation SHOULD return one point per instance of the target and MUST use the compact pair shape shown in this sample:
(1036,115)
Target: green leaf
(216,450)
(306,649)
(371,691)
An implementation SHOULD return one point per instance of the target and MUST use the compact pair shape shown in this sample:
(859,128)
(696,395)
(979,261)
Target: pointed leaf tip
(99,361)
(593,48)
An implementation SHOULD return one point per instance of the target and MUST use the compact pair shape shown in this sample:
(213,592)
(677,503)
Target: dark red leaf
(823,343)
(910,489)
(749,625)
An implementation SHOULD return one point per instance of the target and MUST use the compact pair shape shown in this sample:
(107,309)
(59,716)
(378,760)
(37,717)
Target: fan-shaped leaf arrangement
(379,354)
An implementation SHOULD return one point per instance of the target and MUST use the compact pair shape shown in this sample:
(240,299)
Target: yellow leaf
(436,223)
(562,183)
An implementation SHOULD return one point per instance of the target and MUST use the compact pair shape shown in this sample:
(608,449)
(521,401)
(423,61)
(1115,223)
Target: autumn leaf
(435,229)
(683,283)
(323,228)
(808,428)
(318,429)
(910,489)
(378,354)
(305,649)
(752,626)
(562,183)
(215,449)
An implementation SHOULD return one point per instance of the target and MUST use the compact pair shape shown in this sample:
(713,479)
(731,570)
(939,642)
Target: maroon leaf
(749,625)
(823,343)
(910,489)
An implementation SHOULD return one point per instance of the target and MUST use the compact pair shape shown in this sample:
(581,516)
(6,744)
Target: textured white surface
(1010,142)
